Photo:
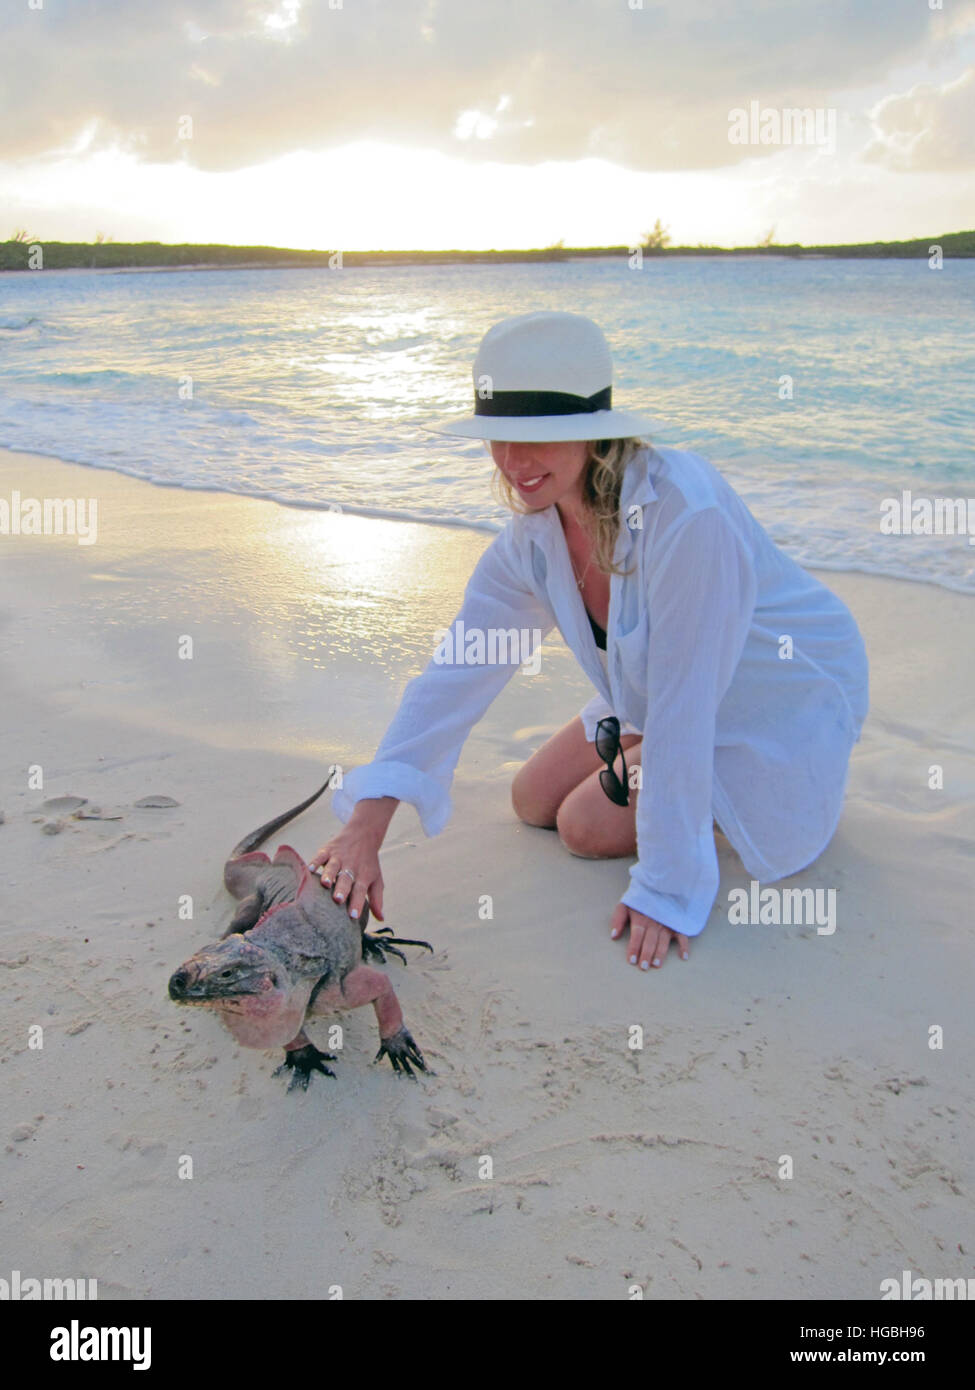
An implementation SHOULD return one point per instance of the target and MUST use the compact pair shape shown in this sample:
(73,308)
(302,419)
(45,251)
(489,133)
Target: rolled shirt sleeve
(700,596)
(416,759)
(597,709)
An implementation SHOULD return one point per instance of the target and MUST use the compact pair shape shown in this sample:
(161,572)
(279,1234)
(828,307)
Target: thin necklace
(581,581)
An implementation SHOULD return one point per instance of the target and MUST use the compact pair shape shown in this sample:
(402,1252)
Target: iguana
(292,952)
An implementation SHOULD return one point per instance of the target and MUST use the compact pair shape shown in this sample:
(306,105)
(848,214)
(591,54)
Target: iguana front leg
(248,914)
(364,985)
(301,1058)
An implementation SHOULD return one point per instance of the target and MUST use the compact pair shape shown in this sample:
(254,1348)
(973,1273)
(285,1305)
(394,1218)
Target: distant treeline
(119,255)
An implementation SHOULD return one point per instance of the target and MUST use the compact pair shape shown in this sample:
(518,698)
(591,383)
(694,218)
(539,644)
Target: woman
(742,681)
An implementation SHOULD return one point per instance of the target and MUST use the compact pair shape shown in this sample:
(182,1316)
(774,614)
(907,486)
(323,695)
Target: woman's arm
(416,758)
(701,596)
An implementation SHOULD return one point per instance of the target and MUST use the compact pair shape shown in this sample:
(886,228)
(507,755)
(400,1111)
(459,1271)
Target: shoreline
(452,523)
(769,1041)
(297,503)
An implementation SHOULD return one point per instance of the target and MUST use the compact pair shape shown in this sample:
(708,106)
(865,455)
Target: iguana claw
(401,1050)
(374,948)
(302,1061)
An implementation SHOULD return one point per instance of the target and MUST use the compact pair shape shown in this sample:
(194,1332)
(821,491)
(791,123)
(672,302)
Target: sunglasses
(608,748)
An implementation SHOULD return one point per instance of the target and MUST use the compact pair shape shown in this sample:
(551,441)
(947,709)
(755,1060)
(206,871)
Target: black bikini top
(598,632)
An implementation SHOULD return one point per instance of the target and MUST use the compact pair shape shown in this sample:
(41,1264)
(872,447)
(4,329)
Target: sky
(366,124)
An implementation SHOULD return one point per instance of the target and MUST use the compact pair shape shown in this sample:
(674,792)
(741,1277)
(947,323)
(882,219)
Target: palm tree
(657,239)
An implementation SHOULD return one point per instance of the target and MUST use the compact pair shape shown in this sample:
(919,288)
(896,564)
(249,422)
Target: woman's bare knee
(528,806)
(576,834)
(541,785)
(592,827)
(555,772)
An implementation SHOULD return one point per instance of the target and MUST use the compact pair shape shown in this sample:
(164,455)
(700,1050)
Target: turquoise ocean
(819,387)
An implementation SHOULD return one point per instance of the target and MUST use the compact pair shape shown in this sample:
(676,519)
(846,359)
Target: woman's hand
(649,940)
(355,848)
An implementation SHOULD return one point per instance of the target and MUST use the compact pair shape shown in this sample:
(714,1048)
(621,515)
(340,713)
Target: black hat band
(524,403)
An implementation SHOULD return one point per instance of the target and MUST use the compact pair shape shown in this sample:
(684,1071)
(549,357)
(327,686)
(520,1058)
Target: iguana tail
(257,837)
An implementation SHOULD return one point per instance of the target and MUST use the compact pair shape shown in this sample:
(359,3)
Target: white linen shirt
(746,677)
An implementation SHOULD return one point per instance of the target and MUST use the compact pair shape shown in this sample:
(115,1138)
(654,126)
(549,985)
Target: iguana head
(248,986)
(230,969)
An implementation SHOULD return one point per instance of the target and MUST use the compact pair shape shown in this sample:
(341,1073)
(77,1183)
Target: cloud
(926,129)
(505,80)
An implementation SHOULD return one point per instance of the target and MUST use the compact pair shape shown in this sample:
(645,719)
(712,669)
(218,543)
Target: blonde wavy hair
(606,462)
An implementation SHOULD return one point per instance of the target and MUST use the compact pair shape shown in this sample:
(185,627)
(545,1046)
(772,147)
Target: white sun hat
(545,376)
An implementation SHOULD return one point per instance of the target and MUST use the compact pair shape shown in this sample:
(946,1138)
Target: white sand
(610,1167)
